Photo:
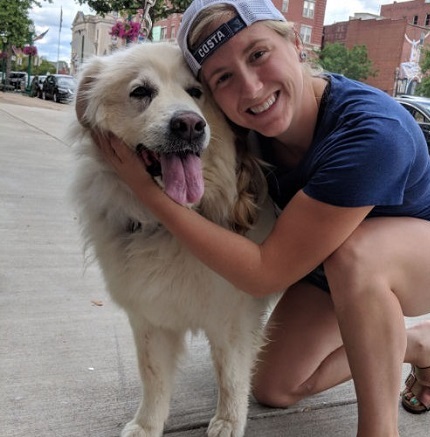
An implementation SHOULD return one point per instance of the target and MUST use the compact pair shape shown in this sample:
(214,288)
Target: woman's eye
(257,55)
(223,78)
(195,92)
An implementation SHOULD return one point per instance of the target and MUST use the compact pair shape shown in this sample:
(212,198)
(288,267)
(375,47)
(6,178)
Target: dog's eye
(143,92)
(195,92)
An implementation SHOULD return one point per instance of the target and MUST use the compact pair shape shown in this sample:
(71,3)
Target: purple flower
(30,50)
(129,30)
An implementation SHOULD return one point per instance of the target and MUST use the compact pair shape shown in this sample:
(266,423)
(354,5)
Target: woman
(351,245)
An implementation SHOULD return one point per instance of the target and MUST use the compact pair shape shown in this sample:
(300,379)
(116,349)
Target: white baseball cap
(248,12)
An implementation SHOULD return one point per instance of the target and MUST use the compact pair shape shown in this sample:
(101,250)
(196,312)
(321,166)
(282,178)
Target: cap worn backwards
(248,12)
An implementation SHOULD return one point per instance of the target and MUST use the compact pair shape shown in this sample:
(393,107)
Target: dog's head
(147,96)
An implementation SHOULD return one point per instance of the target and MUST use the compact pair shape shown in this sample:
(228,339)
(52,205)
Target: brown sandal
(416,395)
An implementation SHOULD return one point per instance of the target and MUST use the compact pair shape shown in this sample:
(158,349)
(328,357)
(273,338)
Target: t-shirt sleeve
(363,164)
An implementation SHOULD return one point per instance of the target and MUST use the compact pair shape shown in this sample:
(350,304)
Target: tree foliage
(14,25)
(353,63)
(14,20)
(44,67)
(160,10)
(423,88)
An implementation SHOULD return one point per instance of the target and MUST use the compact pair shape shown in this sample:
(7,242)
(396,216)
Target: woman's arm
(305,234)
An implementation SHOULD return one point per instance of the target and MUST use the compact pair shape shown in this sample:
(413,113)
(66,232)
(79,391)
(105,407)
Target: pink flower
(129,30)
(30,50)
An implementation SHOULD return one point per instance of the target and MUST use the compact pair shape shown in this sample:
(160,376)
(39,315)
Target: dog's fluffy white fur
(164,290)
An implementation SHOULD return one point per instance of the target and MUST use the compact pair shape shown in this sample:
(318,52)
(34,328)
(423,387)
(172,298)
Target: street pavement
(67,358)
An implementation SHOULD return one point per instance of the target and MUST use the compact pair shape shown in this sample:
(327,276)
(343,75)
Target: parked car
(17,80)
(419,107)
(37,85)
(59,87)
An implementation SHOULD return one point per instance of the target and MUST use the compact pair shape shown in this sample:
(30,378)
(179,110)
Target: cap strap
(218,38)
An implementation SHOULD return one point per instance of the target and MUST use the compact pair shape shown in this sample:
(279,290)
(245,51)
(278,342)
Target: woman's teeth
(264,106)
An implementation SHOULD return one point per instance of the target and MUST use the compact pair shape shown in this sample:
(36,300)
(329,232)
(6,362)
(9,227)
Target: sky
(48,17)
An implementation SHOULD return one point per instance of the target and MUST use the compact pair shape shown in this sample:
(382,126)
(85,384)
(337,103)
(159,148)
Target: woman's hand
(129,165)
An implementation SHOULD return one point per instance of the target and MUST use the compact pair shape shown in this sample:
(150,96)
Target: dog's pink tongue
(182,177)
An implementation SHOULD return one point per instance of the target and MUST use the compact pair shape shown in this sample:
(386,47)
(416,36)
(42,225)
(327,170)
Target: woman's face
(257,80)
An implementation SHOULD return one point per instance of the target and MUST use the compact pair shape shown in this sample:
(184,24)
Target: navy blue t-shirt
(367,150)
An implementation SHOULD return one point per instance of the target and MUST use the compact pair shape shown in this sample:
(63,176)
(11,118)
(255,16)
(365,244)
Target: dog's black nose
(188,126)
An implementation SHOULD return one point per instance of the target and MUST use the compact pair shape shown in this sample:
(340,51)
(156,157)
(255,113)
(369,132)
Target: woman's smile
(266,105)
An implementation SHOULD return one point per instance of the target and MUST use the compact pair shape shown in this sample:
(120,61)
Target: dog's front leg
(233,355)
(157,353)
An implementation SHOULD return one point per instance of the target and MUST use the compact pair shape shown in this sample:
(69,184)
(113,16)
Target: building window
(284,7)
(309,8)
(415,19)
(82,48)
(173,32)
(163,34)
(427,22)
(306,34)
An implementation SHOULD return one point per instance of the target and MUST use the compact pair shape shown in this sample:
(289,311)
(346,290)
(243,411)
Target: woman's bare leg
(304,353)
(380,274)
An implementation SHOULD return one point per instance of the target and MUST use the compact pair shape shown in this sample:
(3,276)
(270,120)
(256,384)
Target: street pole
(31,33)
(4,54)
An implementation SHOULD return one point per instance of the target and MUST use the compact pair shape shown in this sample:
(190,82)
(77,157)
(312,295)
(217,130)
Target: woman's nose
(251,83)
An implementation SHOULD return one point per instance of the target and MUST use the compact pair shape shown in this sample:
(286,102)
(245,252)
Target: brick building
(166,29)
(308,17)
(417,12)
(394,42)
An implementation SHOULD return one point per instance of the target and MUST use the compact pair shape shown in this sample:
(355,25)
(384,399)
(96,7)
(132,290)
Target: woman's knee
(351,253)
(271,396)
(352,265)
(272,392)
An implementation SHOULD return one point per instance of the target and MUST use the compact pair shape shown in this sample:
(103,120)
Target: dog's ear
(82,99)
(87,82)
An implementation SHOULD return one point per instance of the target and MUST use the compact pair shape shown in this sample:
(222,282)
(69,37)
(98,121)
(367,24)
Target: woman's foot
(416,395)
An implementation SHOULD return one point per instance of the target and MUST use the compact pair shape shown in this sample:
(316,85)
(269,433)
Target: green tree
(44,67)
(161,9)
(423,88)
(353,63)
(14,25)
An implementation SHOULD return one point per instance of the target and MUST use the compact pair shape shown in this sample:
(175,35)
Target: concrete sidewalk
(67,358)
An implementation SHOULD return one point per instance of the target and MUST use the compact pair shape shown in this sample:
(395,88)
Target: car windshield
(67,82)
(426,106)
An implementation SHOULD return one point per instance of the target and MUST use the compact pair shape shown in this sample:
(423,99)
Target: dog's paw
(224,428)
(133,429)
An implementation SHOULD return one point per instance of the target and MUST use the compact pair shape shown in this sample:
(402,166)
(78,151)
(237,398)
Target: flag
(41,35)
(17,51)
(61,18)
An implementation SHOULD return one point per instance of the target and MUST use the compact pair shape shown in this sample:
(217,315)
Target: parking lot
(67,359)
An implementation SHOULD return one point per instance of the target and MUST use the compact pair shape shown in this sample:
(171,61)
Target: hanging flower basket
(128,30)
(30,50)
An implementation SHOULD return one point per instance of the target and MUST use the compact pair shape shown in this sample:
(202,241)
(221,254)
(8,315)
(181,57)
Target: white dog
(147,97)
